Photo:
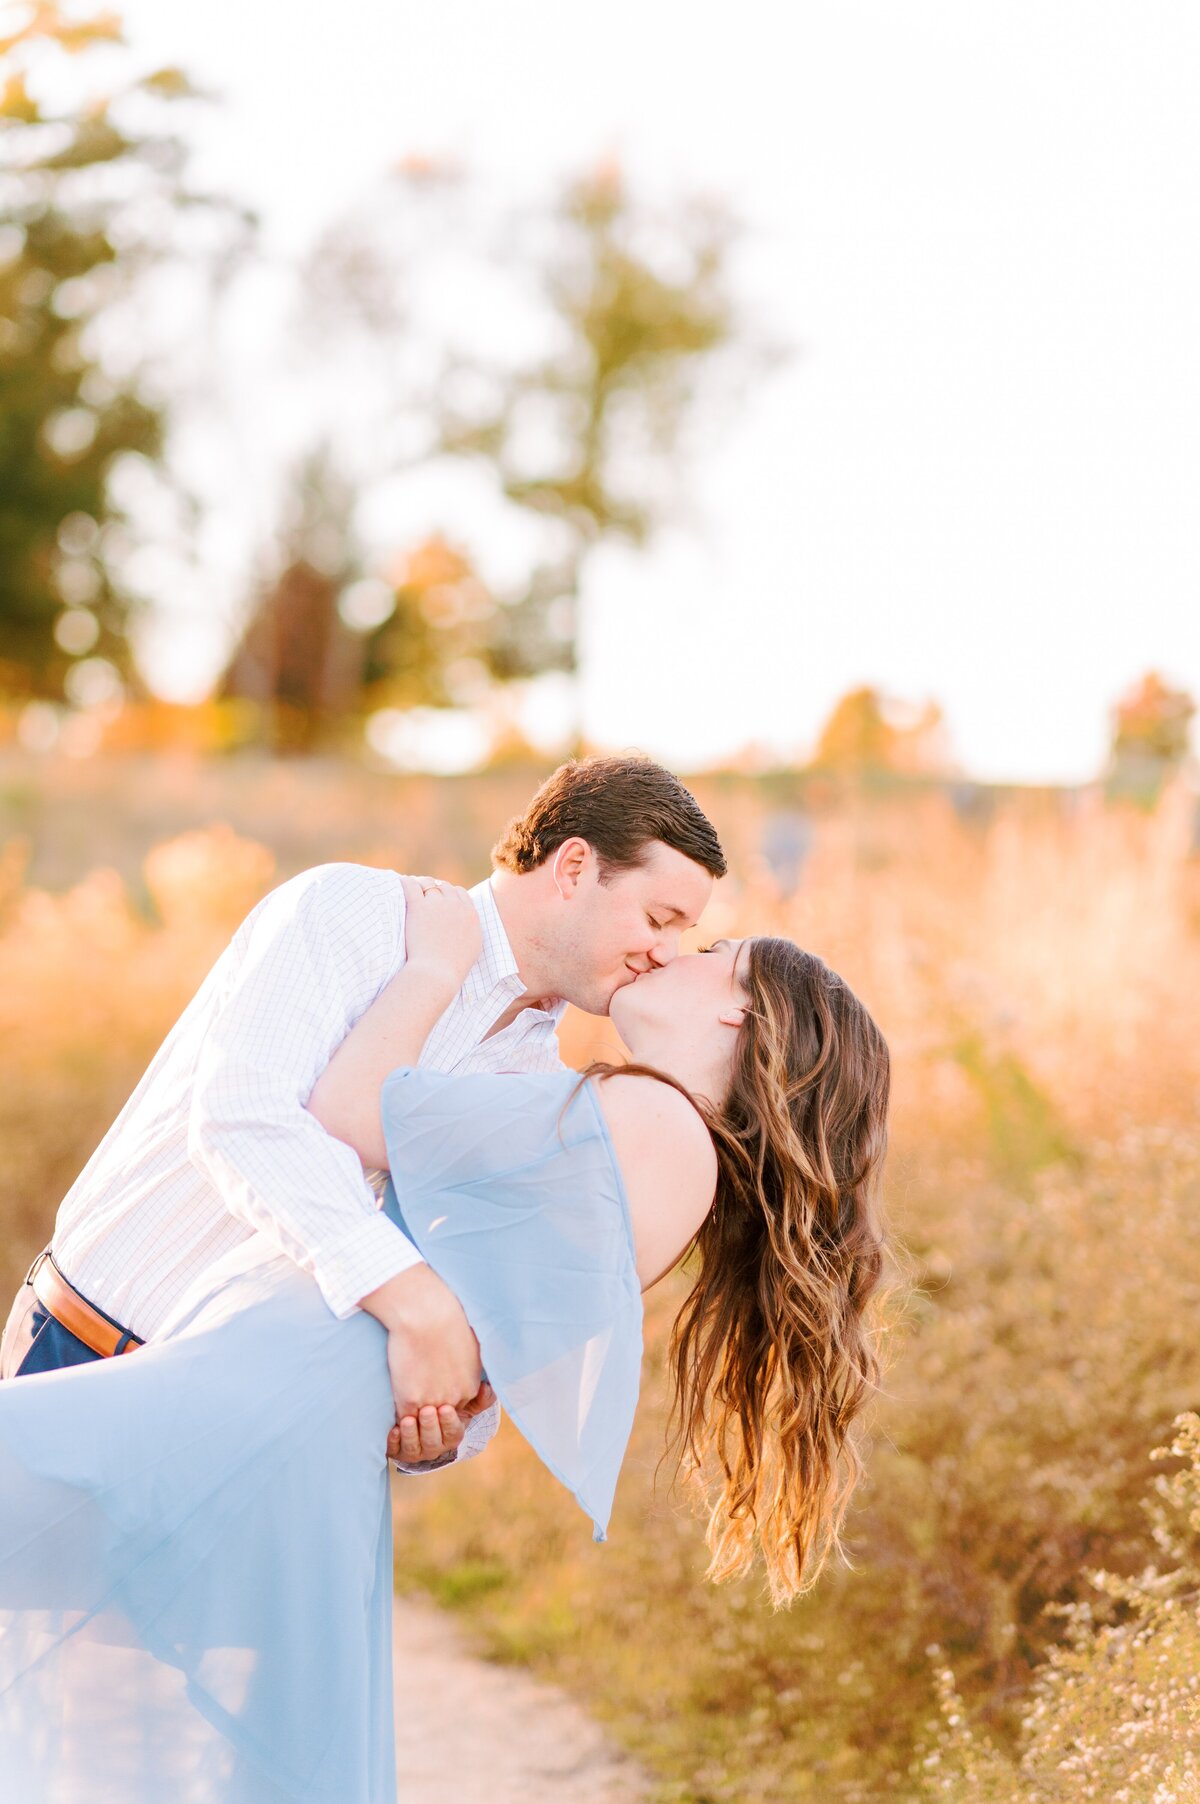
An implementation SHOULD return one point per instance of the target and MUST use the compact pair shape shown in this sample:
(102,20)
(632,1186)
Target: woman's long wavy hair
(776,1348)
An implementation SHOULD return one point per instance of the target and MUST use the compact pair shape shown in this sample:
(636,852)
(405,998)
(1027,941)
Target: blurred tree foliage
(88,190)
(588,436)
(297,666)
(581,442)
(325,641)
(1151,728)
(868,733)
(1154,719)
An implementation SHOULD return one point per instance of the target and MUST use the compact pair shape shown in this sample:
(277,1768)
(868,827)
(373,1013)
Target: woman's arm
(442,938)
(668,1163)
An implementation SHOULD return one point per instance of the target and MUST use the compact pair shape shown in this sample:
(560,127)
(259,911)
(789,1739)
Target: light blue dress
(195,1539)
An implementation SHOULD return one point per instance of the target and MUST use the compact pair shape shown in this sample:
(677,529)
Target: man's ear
(568,865)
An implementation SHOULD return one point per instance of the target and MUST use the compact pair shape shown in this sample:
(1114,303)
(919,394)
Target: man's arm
(318,951)
(442,941)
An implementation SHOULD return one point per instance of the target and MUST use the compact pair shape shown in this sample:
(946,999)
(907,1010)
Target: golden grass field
(1034,959)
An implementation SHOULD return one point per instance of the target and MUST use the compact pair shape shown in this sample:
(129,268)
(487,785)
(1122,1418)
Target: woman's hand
(442,931)
(431,1433)
(442,938)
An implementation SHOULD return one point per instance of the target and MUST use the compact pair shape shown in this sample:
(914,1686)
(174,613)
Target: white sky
(982,223)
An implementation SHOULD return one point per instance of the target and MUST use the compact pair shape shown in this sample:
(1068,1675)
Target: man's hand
(433,1355)
(431,1433)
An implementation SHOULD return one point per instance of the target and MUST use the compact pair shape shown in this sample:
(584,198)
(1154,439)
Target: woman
(195,1542)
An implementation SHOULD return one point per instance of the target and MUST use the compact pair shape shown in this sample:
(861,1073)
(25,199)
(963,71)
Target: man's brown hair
(619,805)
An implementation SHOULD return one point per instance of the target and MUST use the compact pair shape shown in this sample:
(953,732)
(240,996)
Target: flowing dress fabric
(561,1330)
(195,1539)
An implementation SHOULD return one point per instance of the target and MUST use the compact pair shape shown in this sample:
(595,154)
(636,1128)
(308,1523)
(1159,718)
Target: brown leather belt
(76,1314)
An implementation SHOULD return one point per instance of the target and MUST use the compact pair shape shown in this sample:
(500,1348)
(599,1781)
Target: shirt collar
(495,970)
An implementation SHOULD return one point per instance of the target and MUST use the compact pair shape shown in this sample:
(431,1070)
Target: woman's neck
(705,1079)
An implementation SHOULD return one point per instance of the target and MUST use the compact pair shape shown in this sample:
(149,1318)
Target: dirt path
(485,1734)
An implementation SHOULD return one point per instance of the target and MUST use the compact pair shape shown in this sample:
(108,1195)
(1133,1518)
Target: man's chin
(594,1004)
(616,992)
(600,1002)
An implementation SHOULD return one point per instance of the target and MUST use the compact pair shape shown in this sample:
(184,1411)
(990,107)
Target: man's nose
(664,949)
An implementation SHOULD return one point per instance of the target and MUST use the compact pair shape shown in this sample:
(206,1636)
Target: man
(593,886)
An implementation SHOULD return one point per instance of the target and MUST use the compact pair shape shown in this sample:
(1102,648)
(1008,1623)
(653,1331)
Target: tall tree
(583,442)
(88,190)
(589,437)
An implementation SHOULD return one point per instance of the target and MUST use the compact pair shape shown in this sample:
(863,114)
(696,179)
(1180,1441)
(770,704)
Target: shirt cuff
(374,1251)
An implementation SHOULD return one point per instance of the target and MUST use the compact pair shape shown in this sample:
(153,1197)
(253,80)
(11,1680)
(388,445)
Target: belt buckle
(41,1258)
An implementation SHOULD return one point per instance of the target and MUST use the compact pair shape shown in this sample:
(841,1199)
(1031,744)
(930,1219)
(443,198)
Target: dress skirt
(195,1538)
(209,1614)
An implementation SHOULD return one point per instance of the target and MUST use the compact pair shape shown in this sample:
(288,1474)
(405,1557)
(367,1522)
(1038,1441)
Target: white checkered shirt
(216,1142)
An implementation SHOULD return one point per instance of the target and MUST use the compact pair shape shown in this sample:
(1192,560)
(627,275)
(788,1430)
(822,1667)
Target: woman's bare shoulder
(635,1105)
(668,1162)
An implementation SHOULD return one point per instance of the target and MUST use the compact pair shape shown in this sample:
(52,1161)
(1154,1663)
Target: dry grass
(1033,961)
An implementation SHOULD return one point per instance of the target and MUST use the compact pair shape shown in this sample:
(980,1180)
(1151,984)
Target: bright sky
(982,223)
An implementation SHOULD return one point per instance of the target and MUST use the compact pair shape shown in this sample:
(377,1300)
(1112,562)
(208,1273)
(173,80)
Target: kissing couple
(355,1207)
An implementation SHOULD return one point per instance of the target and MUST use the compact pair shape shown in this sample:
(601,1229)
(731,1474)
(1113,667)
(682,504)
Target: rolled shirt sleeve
(317,952)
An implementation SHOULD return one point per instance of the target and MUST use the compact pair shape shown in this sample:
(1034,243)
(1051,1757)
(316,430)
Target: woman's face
(697,1001)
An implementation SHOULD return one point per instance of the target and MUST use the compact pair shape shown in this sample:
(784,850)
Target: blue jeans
(35,1341)
(53,1346)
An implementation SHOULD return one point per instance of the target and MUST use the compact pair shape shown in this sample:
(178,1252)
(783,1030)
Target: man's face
(617,930)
